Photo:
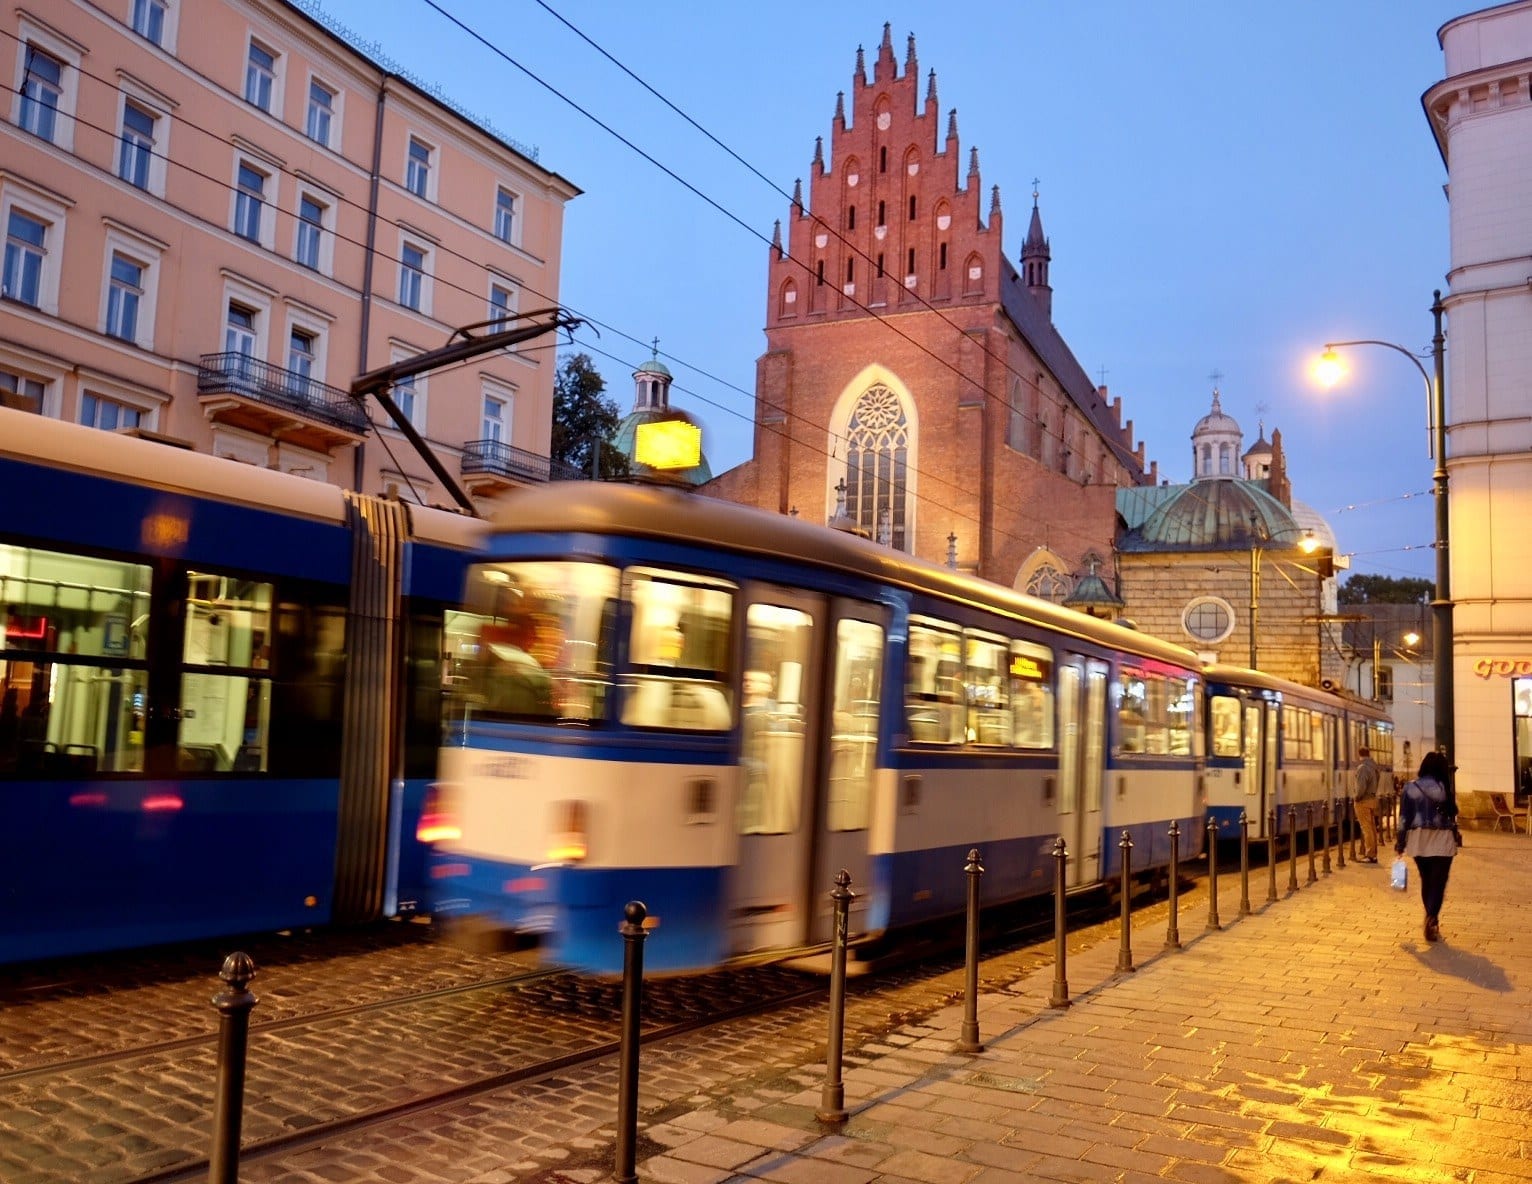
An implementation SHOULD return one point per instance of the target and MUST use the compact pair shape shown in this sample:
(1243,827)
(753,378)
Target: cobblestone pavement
(104,1123)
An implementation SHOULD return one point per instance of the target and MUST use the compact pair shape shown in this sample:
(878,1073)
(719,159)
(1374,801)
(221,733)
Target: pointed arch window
(1049,583)
(877,456)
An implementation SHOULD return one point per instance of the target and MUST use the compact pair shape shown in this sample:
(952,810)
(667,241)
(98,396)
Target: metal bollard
(968,1040)
(1172,933)
(1324,818)
(1060,996)
(1125,949)
(1213,875)
(1351,816)
(234,1004)
(1340,832)
(1308,818)
(1271,856)
(832,1100)
(1292,849)
(1244,864)
(633,935)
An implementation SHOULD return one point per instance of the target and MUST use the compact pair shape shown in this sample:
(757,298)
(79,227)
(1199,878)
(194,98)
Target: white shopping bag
(1400,876)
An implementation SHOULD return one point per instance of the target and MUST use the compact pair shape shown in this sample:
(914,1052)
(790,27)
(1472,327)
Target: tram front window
(678,652)
(535,642)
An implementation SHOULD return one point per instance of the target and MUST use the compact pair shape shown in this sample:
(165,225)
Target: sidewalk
(1319,1038)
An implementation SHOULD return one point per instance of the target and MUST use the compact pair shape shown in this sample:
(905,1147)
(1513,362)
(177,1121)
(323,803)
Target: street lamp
(1329,372)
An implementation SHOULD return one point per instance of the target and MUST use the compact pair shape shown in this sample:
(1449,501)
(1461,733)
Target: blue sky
(1226,186)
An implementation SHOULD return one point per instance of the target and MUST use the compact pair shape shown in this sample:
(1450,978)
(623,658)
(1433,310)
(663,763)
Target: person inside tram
(515,682)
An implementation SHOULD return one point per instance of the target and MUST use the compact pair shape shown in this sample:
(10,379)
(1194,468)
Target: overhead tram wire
(1002,362)
(818,429)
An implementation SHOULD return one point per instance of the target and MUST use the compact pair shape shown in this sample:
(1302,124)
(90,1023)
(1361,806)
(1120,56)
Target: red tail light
(436,824)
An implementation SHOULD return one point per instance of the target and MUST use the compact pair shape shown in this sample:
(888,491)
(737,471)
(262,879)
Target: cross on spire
(656,347)
(1216,376)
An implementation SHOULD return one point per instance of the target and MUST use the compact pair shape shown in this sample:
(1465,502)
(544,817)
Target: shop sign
(1503,667)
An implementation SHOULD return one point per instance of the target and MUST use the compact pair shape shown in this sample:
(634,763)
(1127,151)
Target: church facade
(914,387)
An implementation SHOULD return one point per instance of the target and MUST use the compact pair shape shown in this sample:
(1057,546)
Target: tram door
(780,693)
(1255,783)
(1082,764)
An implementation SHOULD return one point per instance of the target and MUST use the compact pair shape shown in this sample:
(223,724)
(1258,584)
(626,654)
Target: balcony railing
(243,375)
(499,459)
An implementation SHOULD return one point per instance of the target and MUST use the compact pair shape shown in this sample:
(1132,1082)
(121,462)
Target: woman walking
(1428,832)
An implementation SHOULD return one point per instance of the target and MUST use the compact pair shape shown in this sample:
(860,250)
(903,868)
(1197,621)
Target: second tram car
(714,709)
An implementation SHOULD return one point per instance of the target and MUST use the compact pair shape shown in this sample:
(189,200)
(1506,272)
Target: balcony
(246,393)
(490,466)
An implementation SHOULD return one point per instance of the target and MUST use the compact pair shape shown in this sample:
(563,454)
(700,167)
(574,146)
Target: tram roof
(1239,675)
(665,512)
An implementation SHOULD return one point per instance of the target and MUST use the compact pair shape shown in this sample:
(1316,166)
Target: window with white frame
(495,417)
(505,215)
(410,393)
(502,304)
(110,415)
(148,20)
(124,296)
(406,396)
(21,392)
(137,147)
(42,93)
(240,338)
(308,246)
(321,112)
(413,260)
(302,349)
(26,253)
(417,173)
(250,202)
(260,77)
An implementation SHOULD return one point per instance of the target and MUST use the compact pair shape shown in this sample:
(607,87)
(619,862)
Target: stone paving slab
(1320,1038)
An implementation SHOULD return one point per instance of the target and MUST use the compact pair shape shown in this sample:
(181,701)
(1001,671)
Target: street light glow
(1329,370)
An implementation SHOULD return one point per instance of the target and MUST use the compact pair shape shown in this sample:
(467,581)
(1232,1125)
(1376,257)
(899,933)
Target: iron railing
(287,389)
(504,460)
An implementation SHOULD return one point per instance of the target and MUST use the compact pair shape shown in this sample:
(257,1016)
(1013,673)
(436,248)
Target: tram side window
(1317,731)
(308,686)
(858,691)
(933,696)
(535,642)
(1031,675)
(73,676)
(1297,734)
(225,678)
(777,641)
(678,671)
(1226,723)
(987,689)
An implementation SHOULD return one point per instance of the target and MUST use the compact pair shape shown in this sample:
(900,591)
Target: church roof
(1205,516)
(1216,421)
(625,440)
(1092,592)
(653,366)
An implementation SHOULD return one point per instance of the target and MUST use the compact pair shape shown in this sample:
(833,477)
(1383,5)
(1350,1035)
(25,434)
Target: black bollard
(1244,864)
(1324,818)
(234,1004)
(1351,816)
(1308,818)
(1271,856)
(832,1100)
(1213,875)
(1172,933)
(1125,949)
(1292,849)
(1060,996)
(968,1040)
(1340,832)
(633,935)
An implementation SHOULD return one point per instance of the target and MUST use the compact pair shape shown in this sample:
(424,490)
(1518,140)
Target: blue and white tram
(1278,745)
(665,697)
(220,693)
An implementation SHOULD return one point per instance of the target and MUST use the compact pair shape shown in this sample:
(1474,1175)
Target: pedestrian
(1366,804)
(1428,831)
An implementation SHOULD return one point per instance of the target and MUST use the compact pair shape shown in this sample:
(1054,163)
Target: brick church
(914,387)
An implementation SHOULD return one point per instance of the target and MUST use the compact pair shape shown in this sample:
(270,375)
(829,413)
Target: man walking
(1366,803)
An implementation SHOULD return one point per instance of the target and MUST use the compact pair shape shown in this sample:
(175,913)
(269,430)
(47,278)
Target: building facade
(1229,564)
(217,215)
(1481,116)
(914,387)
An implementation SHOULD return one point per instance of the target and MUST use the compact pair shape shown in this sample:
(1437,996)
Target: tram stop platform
(1319,1038)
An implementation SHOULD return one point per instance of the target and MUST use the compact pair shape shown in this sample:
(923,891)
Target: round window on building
(1208,619)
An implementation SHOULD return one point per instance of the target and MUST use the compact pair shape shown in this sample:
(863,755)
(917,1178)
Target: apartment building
(217,214)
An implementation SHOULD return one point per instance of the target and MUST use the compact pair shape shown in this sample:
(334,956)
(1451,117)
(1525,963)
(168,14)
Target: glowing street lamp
(1330,370)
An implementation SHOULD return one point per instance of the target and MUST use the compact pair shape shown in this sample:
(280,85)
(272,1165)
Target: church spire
(798,197)
(884,70)
(840,110)
(819,154)
(931,88)
(952,124)
(1035,257)
(909,56)
(776,238)
(860,77)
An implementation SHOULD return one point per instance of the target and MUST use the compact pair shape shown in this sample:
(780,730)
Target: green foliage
(584,419)
(1366,589)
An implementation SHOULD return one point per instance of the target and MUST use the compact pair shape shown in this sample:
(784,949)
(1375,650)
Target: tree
(1365,589)
(584,420)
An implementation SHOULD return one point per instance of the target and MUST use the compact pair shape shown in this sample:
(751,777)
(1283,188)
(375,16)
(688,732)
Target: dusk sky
(1226,186)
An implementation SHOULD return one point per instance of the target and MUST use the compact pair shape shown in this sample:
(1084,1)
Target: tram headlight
(568,838)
